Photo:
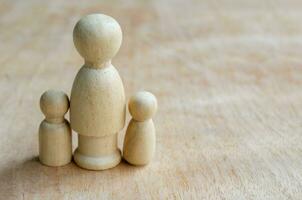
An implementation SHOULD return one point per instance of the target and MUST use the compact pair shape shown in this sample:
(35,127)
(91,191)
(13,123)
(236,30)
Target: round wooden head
(97,38)
(142,106)
(54,104)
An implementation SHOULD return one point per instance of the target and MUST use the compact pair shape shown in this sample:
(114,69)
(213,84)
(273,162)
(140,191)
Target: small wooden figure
(54,133)
(97,102)
(139,142)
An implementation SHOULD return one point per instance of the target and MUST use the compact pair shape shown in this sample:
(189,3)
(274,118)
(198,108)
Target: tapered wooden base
(97,153)
(97,163)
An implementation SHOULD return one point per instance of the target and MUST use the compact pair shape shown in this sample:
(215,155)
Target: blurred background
(227,75)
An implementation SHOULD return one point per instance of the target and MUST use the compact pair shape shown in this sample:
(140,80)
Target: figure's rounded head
(54,104)
(97,38)
(142,105)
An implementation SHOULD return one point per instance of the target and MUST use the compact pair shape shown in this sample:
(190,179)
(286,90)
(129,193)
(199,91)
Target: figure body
(97,101)
(97,110)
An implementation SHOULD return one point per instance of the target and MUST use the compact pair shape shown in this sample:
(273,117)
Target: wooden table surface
(228,77)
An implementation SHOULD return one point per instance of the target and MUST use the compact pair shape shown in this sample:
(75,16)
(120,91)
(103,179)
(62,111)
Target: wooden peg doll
(139,142)
(55,147)
(97,101)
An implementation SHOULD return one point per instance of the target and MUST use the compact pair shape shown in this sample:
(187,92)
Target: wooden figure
(97,102)
(139,142)
(55,147)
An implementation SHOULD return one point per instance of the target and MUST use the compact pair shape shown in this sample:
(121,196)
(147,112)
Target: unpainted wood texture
(97,102)
(227,75)
(55,145)
(139,142)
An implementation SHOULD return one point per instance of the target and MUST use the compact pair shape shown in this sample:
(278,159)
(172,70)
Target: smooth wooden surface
(55,136)
(97,100)
(228,78)
(140,137)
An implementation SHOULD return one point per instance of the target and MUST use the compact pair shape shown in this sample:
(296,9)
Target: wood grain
(227,75)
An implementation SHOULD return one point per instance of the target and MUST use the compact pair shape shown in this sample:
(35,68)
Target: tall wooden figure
(97,104)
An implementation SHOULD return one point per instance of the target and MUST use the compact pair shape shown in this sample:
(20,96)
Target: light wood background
(228,77)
